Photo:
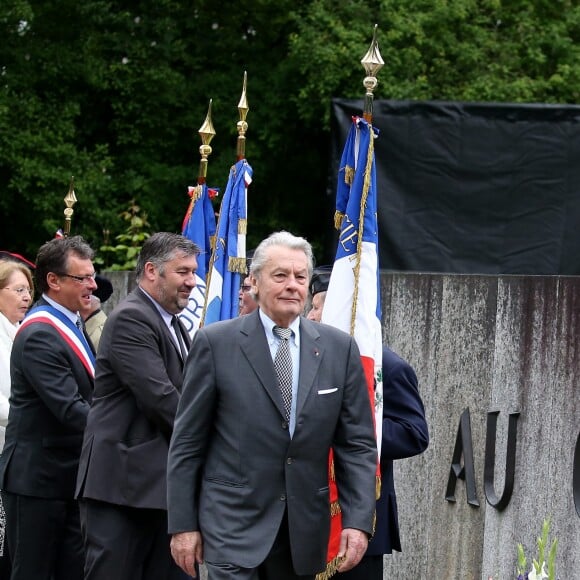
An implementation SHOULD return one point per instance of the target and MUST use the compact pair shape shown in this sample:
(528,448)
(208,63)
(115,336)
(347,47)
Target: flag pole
(69,201)
(199,225)
(242,127)
(207,133)
(372,63)
(353,199)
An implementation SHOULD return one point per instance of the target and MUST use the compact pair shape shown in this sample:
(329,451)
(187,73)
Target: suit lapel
(255,347)
(311,352)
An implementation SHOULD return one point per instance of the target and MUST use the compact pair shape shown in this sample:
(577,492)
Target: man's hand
(187,549)
(353,545)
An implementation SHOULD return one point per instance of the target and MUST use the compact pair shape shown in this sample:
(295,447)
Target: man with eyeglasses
(52,373)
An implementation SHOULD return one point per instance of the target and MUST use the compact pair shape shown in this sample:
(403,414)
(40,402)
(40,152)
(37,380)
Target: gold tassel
(338,217)
(196,193)
(331,569)
(242,226)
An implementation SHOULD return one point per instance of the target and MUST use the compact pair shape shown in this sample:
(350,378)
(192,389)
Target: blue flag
(228,260)
(199,225)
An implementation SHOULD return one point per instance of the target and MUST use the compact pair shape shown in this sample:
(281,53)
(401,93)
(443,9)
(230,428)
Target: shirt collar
(269,324)
(72,316)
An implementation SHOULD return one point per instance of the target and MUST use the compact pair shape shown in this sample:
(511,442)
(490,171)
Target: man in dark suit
(405,434)
(52,370)
(248,462)
(122,472)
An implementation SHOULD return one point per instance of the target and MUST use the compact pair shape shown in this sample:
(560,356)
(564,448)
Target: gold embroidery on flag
(348,174)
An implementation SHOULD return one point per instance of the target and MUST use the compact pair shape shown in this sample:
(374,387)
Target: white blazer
(7,334)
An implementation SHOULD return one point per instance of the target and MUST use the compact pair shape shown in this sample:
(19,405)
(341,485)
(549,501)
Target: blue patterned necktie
(283,366)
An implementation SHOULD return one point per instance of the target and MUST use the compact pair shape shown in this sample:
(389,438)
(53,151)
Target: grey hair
(161,248)
(285,239)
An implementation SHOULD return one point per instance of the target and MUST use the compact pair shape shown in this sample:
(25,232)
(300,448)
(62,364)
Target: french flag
(353,298)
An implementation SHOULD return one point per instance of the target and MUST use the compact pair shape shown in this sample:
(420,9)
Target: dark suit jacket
(137,383)
(233,470)
(49,403)
(405,434)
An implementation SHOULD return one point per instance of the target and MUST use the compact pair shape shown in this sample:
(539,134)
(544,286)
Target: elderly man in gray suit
(265,397)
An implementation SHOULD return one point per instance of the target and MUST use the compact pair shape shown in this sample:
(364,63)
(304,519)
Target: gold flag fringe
(237,265)
(331,569)
(377,486)
(196,193)
(242,226)
(194,196)
(335,508)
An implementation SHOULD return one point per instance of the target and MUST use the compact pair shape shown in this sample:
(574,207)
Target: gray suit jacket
(233,469)
(137,383)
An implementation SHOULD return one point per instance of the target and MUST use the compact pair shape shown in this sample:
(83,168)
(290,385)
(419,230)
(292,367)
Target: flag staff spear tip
(372,63)
(69,200)
(207,133)
(242,125)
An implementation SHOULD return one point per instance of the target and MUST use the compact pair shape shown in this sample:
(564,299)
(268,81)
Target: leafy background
(114,93)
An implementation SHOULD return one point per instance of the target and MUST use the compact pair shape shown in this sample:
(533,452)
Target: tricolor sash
(69,332)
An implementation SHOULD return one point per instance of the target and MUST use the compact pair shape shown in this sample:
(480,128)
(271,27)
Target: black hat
(320,279)
(105,288)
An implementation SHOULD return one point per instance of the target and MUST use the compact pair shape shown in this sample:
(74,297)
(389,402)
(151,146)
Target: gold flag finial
(207,133)
(69,200)
(372,63)
(242,125)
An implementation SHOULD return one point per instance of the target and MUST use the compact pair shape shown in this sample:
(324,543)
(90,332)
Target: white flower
(541,576)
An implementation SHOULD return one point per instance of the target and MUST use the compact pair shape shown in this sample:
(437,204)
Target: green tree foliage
(114,93)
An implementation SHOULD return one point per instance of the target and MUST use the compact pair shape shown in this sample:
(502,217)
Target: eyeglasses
(21,290)
(246,288)
(84,280)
